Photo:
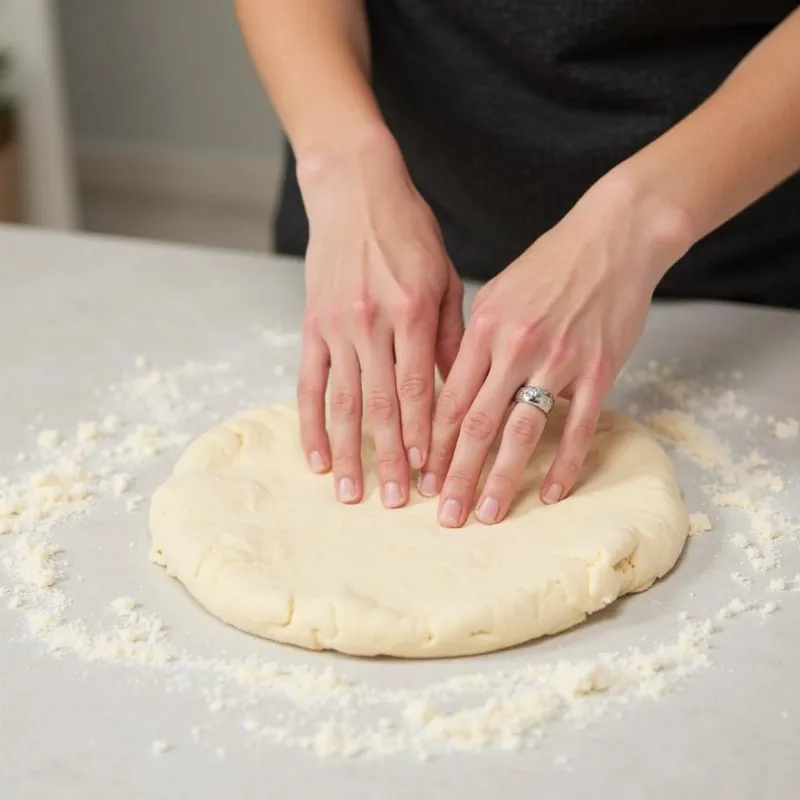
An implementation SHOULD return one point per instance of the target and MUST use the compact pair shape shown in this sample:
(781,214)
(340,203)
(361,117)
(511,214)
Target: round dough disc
(261,543)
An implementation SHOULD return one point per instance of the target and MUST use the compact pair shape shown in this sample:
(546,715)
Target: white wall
(29,29)
(164,74)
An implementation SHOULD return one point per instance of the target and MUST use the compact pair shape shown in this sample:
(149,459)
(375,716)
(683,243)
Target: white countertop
(75,312)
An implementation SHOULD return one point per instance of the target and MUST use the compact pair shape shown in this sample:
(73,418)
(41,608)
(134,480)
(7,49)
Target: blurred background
(135,117)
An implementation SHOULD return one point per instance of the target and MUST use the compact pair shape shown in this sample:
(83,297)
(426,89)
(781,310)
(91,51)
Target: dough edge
(355,627)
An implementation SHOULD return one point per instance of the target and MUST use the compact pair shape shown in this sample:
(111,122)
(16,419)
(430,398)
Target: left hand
(564,316)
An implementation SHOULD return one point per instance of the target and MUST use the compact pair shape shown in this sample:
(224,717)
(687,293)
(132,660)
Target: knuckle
(380,406)
(449,408)
(364,312)
(412,308)
(309,391)
(503,484)
(457,483)
(483,324)
(478,426)
(345,463)
(413,431)
(344,405)
(440,455)
(570,468)
(413,387)
(391,462)
(583,432)
(525,431)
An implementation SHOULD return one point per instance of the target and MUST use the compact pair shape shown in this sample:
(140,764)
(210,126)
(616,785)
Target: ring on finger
(535,396)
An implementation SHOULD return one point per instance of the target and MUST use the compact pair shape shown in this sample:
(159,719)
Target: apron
(507,111)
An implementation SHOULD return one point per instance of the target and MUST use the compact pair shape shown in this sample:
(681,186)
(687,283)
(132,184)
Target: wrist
(370,143)
(663,227)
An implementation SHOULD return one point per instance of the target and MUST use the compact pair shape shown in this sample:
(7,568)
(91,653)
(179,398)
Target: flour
(124,606)
(699,523)
(48,439)
(741,481)
(732,609)
(785,429)
(737,499)
(159,747)
(319,708)
(132,503)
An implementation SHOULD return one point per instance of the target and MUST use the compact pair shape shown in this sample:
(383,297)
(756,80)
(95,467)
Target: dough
(261,543)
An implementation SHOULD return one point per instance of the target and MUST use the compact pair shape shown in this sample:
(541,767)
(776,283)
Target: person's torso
(508,110)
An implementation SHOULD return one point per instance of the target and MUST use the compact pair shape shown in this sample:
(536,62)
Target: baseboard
(243,184)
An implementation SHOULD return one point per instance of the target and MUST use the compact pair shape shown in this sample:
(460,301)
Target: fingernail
(317,462)
(347,490)
(391,495)
(428,485)
(415,458)
(487,510)
(450,513)
(553,493)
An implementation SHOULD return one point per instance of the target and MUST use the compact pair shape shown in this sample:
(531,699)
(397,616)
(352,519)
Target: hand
(564,317)
(383,309)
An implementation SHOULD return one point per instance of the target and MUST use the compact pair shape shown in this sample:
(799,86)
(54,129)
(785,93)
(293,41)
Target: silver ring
(536,397)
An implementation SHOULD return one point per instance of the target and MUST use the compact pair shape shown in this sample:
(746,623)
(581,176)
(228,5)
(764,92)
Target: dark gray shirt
(508,110)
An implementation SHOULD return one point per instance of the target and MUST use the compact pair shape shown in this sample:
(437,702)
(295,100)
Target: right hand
(383,309)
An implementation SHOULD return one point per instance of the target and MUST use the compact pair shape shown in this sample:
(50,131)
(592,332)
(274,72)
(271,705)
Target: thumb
(451,326)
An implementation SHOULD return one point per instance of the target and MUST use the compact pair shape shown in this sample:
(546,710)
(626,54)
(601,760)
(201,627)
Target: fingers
(414,352)
(451,327)
(520,437)
(478,432)
(345,425)
(461,387)
(313,380)
(382,410)
(575,443)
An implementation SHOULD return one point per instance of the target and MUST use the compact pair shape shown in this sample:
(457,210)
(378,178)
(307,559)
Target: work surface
(220,329)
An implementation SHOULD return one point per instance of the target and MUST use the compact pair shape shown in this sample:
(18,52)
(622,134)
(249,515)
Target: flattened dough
(262,544)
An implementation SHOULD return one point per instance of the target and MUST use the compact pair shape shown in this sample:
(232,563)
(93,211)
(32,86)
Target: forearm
(737,146)
(313,57)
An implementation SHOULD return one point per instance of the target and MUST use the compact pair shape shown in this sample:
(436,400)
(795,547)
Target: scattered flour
(123,605)
(785,429)
(736,499)
(320,709)
(699,523)
(120,483)
(48,439)
(159,747)
(732,609)
(132,503)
